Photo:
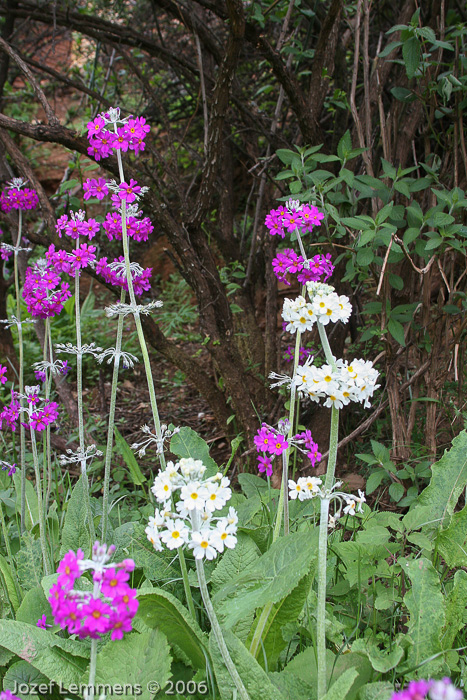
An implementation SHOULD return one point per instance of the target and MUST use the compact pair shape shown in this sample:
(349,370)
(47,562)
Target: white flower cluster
(324,306)
(354,381)
(189,502)
(307,487)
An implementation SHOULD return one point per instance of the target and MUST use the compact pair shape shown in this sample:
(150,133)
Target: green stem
(283,496)
(92,670)
(22,431)
(9,554)
(79,391)
(40,506)
(186,583)
(216,628)
(139,327)
(110,430)
(49,451)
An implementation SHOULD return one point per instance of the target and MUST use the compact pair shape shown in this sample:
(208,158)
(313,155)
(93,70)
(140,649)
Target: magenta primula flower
(95,188)
(129,191)
(109,608)
(8,695)
(431,690)
(265,465)
(3,377)
(278,445)
(264,439)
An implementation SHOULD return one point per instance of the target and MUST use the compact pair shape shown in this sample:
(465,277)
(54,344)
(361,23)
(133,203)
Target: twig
(50,114)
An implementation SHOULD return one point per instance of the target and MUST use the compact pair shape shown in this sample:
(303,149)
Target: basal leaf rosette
(187,517)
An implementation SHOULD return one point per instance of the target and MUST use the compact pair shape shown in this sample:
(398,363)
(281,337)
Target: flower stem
(216,628)
(22,432)
(186,583)
(92,670)
(323,531)
(40,505)
(79,391)
(283,505)
(110,429)
(9,554)
(139,327)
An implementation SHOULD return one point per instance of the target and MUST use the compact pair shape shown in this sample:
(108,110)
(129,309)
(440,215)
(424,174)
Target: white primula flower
(153,537)
(216,496)
(313,484)
(350,507)
(201,543)
(296,490)
(162,487)
(360,500)
(176,534)
(223,536)
(194,496)
(232,516)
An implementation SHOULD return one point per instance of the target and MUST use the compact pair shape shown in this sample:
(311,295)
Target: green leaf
(381,661)
(340,689)
(396,329)
(269,579)
(288,157)
(161,610)
(395,281)
(137,659)
(344,146)
(61,660)
(34,605)
(75,533)
(452,542)
(187,443)
(396,491)
(234,561)
(125,450)
(403,94)
(6,575)
(287,610)
(29,562)
(22,673)
(255,680)
(456,603)
(411,235)
(365,257)
(374,480)
(32,509)
(425,603)
(376,691)
(434,507)
(411,52)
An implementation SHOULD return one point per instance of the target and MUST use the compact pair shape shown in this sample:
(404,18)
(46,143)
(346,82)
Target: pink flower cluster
(271,442)
(285,219)
(130,136)
(288,262)
(3,377)
(109,608)
(44,293)
(5,253)
(15,198)
(432,690)
(75,227)
(38,416)
(141,281)
(78,260)
(6,466)
(139,229)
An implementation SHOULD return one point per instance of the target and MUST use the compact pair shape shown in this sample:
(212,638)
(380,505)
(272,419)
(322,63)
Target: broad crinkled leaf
(161,610)
(234,561)
(434,507)
(425,603)
(452,542)
(269,579)
(456,603)
(75,533)
(376,691)
(137,659)
(61,660)
(187,443)
(254,678)
(5,574)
